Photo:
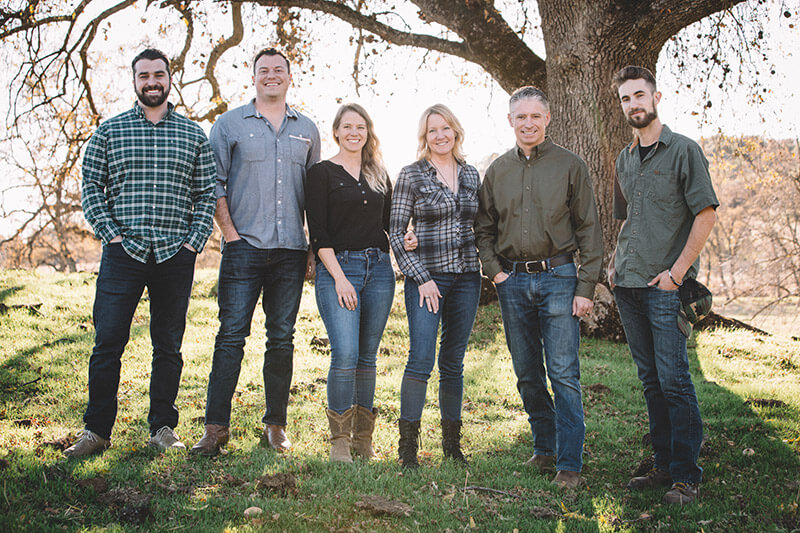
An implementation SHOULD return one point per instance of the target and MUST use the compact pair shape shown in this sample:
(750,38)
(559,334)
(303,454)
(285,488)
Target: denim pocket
(568,271)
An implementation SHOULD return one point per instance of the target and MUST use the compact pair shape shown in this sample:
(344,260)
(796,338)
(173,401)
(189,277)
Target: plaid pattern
(151,183)
(442,221)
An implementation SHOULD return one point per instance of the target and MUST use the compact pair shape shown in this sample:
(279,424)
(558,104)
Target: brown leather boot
(363,427)
(275,437)
(341,425)
(214,437)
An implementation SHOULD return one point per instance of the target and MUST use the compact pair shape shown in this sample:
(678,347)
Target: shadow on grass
(7,292)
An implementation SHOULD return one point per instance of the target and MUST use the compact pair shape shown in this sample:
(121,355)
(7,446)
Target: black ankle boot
(407,448)
(451,440)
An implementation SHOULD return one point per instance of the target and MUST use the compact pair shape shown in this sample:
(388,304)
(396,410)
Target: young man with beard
(536,211)
(262,150)
(665,197)
(148,192)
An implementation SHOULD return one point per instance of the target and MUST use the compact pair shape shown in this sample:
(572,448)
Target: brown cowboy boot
(341,425)
(275,437)
(215,436)
(363,428)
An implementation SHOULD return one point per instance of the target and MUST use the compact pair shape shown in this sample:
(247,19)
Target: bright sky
(406,86)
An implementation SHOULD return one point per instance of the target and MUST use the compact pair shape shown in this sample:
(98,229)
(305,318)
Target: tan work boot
(541,462)
(341,425)
(363,428)
(567,479)
(215,436)
(275,437)
(89,443)
(682,493)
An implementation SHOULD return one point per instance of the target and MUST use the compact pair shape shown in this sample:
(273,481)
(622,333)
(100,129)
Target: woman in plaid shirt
(438,194)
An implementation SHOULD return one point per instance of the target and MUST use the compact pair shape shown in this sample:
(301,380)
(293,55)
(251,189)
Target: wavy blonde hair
(372,166)
(423,150)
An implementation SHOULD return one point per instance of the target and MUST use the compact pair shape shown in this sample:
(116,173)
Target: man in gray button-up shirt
(262,150)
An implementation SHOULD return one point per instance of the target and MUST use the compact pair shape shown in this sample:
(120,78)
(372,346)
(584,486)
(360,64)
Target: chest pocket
(664,188)
(299,147)
(252,147)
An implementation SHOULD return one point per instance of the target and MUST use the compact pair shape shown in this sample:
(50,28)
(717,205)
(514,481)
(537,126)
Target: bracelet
(673,279)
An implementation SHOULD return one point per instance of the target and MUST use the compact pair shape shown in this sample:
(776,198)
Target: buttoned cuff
(421,277)
(492,268)
(585,289)
(196,241)
(106,232)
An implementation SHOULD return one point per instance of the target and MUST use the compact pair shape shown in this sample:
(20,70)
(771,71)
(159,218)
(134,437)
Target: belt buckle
(538,266)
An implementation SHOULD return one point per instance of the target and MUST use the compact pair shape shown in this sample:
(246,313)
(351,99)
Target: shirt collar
(665,137)
(137,108)
(251,111)
(538,150)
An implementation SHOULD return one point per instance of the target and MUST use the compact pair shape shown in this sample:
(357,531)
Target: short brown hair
(632,72)
(271,52)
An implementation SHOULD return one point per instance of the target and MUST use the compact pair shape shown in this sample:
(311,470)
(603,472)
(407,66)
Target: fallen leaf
(253,511)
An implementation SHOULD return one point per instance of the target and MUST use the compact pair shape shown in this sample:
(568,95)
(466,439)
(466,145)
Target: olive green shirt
(658,198)
(537,208)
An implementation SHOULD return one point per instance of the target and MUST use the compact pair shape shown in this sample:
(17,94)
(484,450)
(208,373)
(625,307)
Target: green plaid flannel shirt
(153,184)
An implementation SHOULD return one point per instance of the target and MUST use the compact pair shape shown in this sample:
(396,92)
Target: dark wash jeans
(120,284)
(244,274)
(540,328)
(649,317)
(457,309)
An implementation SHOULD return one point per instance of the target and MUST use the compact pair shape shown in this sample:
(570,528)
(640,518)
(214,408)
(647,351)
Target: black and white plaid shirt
(442,221)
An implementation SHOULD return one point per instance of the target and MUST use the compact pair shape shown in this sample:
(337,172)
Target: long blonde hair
(372,166)
(423,150)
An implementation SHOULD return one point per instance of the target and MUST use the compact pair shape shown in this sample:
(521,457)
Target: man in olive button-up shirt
(537,210)
(665,196)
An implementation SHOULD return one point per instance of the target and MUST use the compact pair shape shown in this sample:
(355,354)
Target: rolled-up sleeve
(222,157)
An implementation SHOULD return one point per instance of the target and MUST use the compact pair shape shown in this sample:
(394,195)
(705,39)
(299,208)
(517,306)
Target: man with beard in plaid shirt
(148,192)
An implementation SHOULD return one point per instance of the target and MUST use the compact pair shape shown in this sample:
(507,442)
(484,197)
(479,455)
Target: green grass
(751,458)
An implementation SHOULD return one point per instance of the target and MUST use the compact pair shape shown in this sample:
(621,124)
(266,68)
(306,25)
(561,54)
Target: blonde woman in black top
(348,198)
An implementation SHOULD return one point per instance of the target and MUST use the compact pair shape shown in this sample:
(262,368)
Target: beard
(642,121)
(154,100)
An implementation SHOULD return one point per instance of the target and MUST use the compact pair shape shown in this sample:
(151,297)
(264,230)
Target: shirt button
(251,135)
(279,201)
(279,160)
(636,212)
(279,181)
(365,202)
(363,192)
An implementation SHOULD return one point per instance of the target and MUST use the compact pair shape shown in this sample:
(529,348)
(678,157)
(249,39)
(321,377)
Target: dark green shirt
(538,208)
(658,198)
(153,184)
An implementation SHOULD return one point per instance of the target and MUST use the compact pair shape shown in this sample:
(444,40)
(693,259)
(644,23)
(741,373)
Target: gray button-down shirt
(263,174)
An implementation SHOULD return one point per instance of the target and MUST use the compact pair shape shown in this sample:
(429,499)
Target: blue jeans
(244,274)
(649,317)
(457,309)
(355,335)
(120,284)
(537,314)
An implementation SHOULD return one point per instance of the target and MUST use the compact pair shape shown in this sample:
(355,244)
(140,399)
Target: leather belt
(532,267)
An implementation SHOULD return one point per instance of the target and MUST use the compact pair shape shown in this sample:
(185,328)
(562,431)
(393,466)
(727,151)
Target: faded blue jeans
(457,309)
(649,316)
(355,335)
(245,273)
(540,329)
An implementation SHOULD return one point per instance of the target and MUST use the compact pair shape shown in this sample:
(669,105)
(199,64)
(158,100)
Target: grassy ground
(748,388)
